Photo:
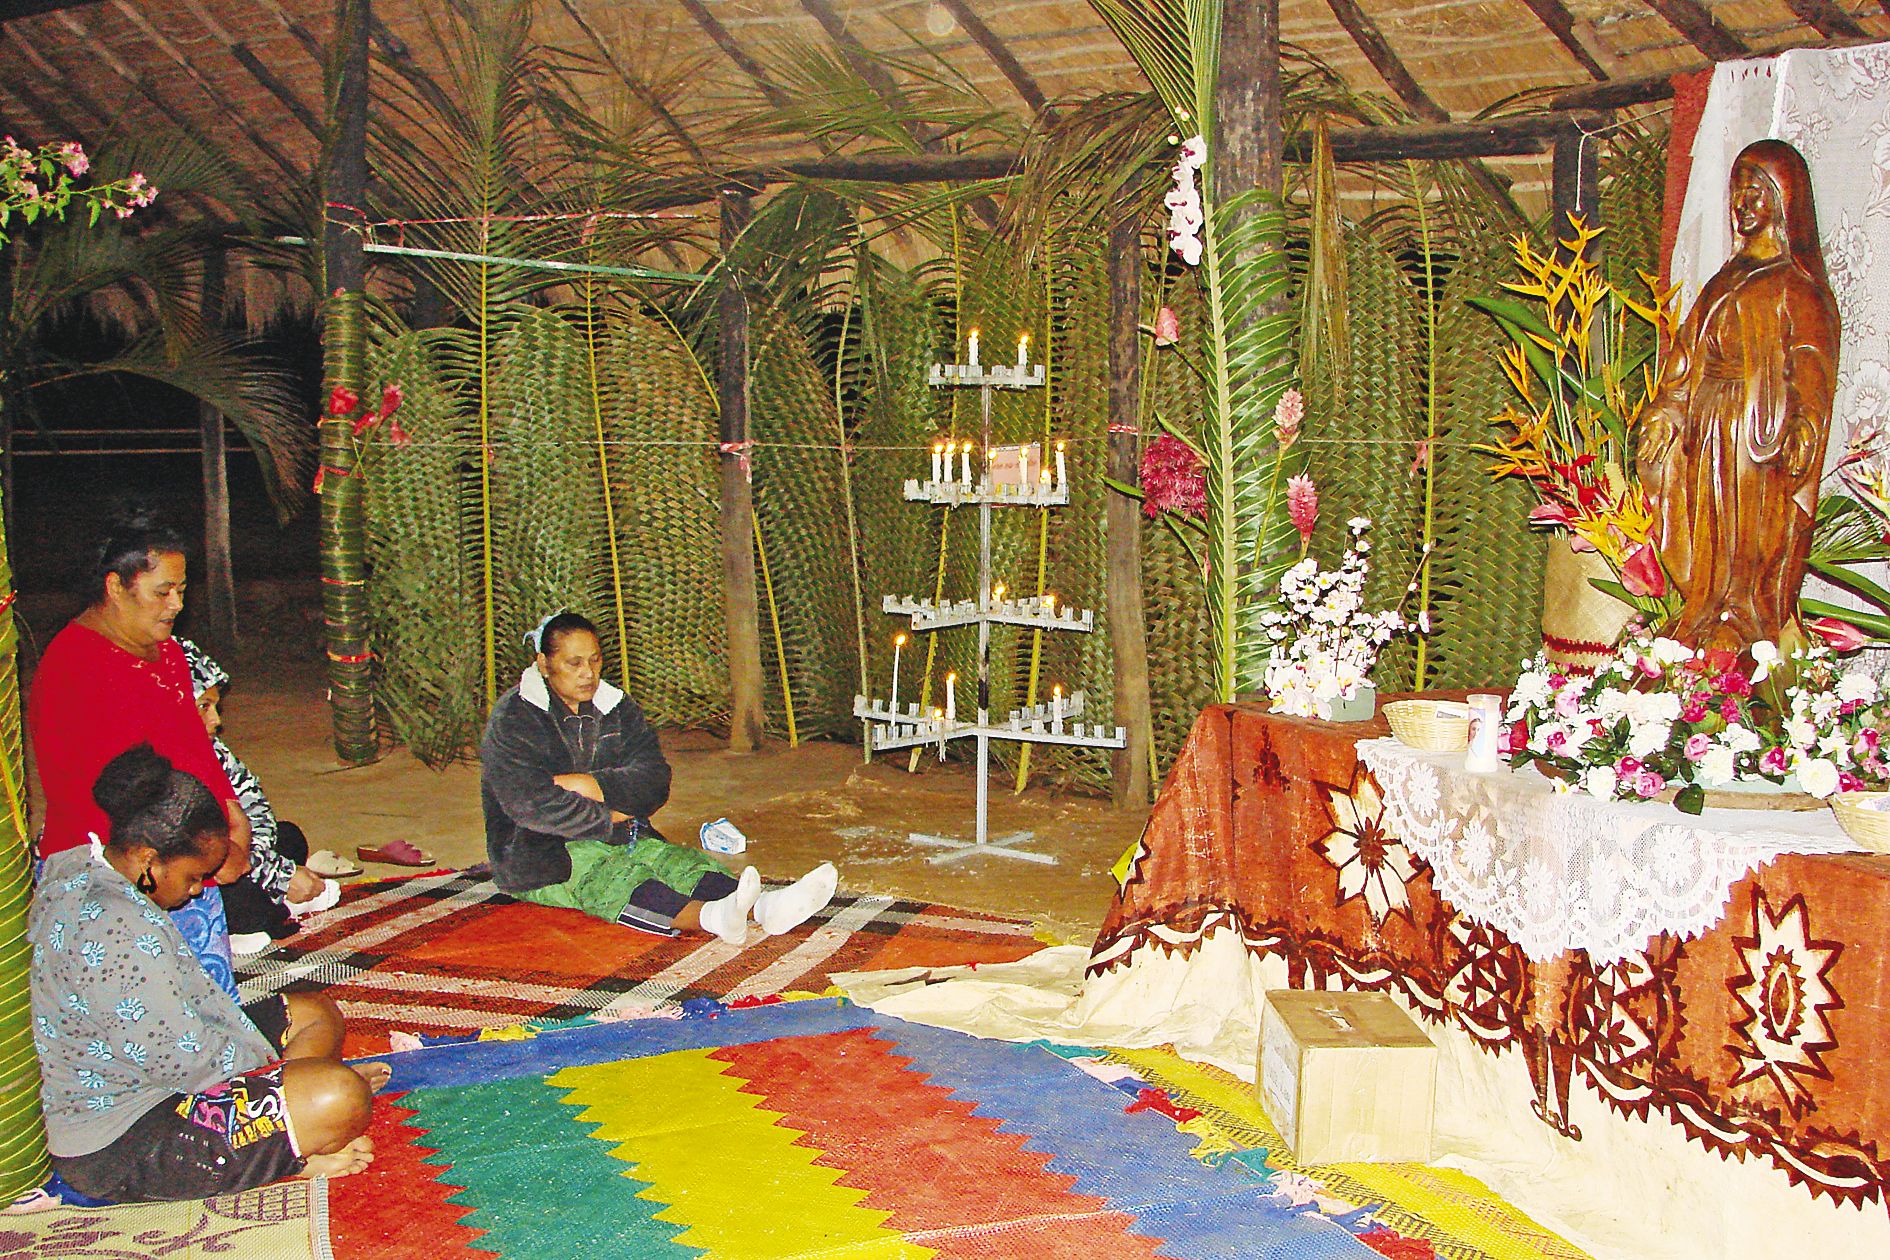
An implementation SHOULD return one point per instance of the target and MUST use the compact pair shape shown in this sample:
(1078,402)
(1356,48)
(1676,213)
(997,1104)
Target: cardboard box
(1346,1076)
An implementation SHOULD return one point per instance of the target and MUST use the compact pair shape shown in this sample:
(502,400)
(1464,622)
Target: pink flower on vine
(1172,479)
(72,154)
(1302,506)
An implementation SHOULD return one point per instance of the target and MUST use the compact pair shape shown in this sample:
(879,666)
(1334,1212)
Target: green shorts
(643,884)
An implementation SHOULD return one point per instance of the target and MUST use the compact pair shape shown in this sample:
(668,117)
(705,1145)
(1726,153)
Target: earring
(145,883)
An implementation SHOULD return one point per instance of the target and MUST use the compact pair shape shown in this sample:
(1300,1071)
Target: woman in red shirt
(114,678)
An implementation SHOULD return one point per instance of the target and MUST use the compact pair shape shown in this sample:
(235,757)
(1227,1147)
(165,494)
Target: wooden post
(746,718)
(344,349)
(213,604)
(1247,140)
(1132,766)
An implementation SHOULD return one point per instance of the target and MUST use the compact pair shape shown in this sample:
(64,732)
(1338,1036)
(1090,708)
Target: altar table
(1764,1037)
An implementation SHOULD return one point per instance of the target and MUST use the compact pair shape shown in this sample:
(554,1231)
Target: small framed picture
(1019,465)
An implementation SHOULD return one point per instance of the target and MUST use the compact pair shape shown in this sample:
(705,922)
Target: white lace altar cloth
(1559,870)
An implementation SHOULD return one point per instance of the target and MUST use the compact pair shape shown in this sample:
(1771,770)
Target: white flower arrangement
(1324,642)
(1186,216)
(1663,716)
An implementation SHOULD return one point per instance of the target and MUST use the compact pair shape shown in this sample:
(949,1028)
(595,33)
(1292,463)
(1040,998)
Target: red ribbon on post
(740,451)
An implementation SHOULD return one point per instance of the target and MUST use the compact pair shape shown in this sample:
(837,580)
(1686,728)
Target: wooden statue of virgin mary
(1732,444)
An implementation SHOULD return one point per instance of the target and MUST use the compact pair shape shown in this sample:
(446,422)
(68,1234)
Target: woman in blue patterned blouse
(155,1083)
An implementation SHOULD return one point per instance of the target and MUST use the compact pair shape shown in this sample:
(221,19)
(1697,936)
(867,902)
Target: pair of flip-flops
(395,853)
(331,865)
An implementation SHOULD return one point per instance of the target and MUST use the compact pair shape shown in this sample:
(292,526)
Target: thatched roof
(247,74)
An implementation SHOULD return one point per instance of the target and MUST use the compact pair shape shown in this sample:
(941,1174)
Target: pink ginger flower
(1172,479)
(1287,414)
(1642,574)
(1167,326)
(1839,636)
(1302,506)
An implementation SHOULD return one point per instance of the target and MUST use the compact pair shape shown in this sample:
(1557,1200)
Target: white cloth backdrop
(1833,106)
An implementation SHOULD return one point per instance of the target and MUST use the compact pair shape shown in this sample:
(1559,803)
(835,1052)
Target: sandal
(331,865)
(397,853)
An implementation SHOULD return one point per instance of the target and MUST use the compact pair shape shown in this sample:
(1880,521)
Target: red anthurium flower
(1839,636)
(1721,660)
(1549,514)
(1642,574)
(399,435)
(363,422)
(342,401)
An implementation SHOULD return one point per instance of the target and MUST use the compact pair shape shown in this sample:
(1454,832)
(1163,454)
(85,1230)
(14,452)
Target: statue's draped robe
(1733,446)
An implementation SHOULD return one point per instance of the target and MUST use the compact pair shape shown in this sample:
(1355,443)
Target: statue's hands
(1800,448)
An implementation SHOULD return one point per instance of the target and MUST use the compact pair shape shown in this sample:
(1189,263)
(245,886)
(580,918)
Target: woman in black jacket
(569,776)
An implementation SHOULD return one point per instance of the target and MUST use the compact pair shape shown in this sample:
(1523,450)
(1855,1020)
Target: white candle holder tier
(890,726)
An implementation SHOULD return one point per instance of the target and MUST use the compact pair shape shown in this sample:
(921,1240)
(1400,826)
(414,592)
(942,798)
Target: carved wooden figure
(1732,444)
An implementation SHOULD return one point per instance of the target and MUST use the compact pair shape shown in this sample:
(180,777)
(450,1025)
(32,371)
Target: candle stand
(889,725)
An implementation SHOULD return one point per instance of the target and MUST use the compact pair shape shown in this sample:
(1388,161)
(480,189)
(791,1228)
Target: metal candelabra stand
(891,726)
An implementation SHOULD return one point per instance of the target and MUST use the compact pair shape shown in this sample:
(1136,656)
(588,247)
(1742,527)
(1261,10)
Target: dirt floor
(798,807)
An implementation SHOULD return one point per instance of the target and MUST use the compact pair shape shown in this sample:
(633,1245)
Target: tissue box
(1346,1077)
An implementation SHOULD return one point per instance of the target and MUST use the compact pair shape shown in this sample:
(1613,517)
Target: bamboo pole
(1128,637)
(747,720)
(344,349)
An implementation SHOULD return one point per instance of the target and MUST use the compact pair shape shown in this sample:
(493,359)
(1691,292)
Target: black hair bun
(132,782)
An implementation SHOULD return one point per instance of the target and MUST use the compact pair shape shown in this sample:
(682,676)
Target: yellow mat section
(1457,1214)
(683,1126)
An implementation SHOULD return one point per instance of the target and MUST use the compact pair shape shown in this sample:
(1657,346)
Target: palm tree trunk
(344,350)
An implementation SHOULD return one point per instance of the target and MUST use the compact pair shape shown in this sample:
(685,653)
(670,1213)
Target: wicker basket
(1864,818)
(1430,725)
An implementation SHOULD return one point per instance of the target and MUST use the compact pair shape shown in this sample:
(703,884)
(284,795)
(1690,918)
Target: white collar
(533,690)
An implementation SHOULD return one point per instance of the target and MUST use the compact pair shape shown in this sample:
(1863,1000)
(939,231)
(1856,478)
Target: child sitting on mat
(569,774)
(280,888)
(156,1085)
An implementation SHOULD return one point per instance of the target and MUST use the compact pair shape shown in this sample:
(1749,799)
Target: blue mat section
(475,1062)
(1140,1163)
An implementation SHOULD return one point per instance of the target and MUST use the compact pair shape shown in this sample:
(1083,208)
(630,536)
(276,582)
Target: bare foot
(352,1158)
(375,1074)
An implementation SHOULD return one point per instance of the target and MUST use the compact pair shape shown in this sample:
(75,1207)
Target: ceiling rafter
(1829,18)
(44,113)
(217,97)
(1561,24)
(714,29)
(10,9)
(302,35)
(1000,54)
(1693,20)
(49,73)
(1371,41)
(638,88)
(247,58)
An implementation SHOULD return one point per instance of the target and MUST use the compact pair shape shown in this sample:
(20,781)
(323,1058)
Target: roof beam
(258,71)
(51,74)
(739,55)
(10,9)
(1013,71)
(47,114)
(210,89)
(1371,41)
(303,36)
(1561,24)
(638,88)
(1702,29)
(1830,19)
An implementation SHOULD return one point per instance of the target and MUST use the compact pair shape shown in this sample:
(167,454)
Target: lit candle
(972,358)
(951,697)
(1063,482)
(1023,344)
(1049,604)
(1043,480)
(938,450)
(899,643)
(964,464)
(997,595)
(1056,709)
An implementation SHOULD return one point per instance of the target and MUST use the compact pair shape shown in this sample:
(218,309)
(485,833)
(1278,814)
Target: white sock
(727,917)
(783,909)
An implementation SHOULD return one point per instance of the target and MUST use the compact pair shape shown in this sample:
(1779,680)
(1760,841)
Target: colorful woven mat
(448,955)
(1450,1213)
(796,1130)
